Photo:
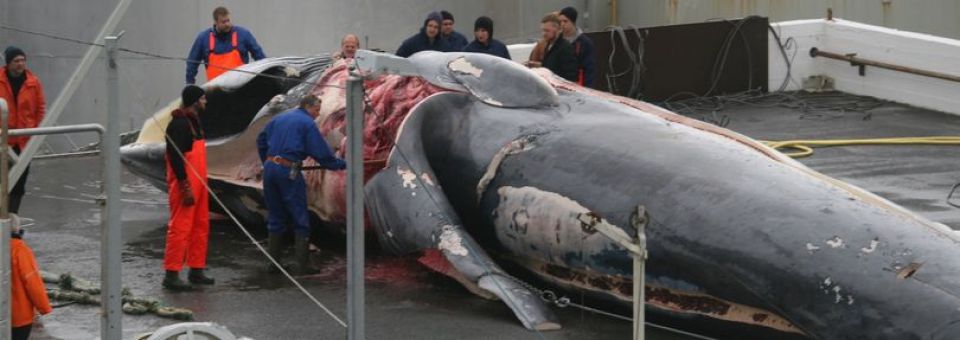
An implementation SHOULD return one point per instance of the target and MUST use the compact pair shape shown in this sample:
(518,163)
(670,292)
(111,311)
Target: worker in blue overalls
(283,145)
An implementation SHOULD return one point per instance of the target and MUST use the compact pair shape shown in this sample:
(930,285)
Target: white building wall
(914,50)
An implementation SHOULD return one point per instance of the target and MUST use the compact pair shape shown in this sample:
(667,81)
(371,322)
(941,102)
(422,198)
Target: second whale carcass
(482,164)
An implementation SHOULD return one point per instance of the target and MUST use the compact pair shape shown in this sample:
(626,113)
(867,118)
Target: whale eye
(493,80)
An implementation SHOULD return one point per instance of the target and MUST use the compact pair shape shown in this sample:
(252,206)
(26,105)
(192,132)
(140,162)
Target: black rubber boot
(198,277)
(302,251)
(274,248)
(173,282)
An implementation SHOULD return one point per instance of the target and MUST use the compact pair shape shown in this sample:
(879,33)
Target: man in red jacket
(28,295)
(24,95)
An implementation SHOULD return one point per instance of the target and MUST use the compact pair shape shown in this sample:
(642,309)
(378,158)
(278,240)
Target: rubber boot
(274,248)
(302,253)
(173,282)
(197,277)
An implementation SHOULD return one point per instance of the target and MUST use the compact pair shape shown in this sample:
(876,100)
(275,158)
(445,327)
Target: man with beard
(222,47)
(27,105)
(189,226)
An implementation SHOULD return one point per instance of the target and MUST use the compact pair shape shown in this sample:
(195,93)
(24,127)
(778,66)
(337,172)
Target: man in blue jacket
(427,40)
(283,144)
(582,46)
(221,48)
(454,40)
(483,40)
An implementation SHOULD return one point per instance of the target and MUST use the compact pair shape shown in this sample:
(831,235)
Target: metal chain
(550,297)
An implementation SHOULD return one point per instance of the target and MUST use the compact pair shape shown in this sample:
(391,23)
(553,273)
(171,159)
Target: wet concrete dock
(404,300)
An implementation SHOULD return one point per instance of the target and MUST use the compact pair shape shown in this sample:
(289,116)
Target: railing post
(110,326)
(355,232)
(5,227)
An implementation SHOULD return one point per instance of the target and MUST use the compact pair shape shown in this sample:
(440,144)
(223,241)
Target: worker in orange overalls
(28,295)
(222,47)
(189,226)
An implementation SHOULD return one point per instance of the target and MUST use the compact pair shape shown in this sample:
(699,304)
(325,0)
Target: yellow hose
(805,147)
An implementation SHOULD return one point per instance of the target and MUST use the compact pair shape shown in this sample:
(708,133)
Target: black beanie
(570,13)
(191,94)
(484,23)
(446,15)
(12,52)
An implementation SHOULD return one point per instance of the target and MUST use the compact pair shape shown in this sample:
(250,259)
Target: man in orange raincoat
(24,95)
(28,295)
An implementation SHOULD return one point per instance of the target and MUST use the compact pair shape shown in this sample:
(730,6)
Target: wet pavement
(404,300)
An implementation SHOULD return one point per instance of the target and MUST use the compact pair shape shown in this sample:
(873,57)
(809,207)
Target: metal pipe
(5,312)
(613,13)
(54,110)
(68,155)
(355,232)
(56,130)
(639,276)
(110,298)
(862,63)
(638,250)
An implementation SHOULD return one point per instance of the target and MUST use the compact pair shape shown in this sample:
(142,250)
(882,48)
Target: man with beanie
(189,226)
(427,40)
(582,46)
(483,40)
(223,47)
(28,295)
(454,40)
(26,104)
(283,144)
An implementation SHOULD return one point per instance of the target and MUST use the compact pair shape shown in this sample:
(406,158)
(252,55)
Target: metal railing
(110,296)
(6,225)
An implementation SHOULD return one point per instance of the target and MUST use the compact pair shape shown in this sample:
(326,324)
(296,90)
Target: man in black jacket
(558,54)
(428,39)
(582,46)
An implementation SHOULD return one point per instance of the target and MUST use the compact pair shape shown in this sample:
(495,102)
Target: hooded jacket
(420,42)
(28,295)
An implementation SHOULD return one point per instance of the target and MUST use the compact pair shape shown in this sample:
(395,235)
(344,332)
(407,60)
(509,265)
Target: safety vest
(218,64)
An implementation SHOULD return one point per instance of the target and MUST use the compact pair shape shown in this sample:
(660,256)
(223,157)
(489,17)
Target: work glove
(186,194)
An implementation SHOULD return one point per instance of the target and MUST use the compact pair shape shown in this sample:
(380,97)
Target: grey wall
(937,17)
(168,27)
(290,27)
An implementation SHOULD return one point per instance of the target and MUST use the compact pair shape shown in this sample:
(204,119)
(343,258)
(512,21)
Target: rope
(805,147)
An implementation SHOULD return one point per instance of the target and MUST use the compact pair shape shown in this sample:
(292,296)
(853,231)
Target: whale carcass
(482,164)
